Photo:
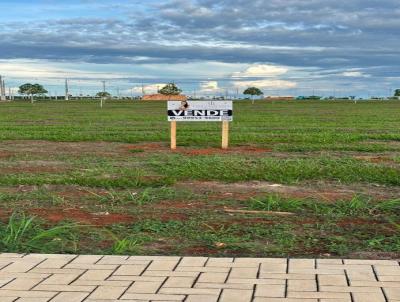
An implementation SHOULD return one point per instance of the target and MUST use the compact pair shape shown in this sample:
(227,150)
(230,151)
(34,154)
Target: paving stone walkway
(71,278)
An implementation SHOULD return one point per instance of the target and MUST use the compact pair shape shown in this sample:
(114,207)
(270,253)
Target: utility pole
(2,90)
(66,90)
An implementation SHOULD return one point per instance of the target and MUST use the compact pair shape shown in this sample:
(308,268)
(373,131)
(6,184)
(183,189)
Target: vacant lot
(301,179)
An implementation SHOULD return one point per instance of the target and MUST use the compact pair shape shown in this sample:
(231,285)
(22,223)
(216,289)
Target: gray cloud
(315,33)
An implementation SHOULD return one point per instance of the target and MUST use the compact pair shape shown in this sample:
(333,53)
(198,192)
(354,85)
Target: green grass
(310,146)
(293,126)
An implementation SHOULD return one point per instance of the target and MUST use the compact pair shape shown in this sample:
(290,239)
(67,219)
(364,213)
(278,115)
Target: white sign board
(200,111)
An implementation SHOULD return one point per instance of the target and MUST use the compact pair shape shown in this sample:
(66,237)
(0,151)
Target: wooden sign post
(173,135)
(225,134)
(200,111)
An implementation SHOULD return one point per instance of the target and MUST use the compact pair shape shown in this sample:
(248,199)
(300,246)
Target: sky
(206,47)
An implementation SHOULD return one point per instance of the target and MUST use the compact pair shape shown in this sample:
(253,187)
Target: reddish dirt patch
(172,216)
(5,154)
(374,159)
(200,250)
(165,205)
(99,219)
(144,147)
(211,151)
(31,169)
(4,214)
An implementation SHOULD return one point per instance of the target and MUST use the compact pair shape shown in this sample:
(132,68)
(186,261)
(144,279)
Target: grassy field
(300,179)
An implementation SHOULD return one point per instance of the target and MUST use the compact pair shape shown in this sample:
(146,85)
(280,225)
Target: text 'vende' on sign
(200,111)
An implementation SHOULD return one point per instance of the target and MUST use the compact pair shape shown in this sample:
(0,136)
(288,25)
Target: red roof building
(162,97)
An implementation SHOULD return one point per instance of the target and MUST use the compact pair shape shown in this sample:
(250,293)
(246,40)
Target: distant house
(162,97)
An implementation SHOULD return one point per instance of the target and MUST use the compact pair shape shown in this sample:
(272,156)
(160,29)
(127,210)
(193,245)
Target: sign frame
(200,111)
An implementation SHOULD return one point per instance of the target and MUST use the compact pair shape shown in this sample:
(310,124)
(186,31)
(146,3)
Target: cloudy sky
(213,47)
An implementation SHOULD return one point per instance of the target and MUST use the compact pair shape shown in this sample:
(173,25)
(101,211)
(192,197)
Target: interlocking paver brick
(201,298)
(129,270)
(318,295)
(137,278)
(338,280)
(329,261)
(170,274)
(63,279)
(361,276)
(53,263)
(21,266)
(86,259)
(92,266)
(107,292)
(152,297)
(215,269)
(272,291)
(63,288)
(273,268)
(257,281)
(70,297)
(243,272)
(213,277)
(193,261)
(95,278)
(163,265)
(141,287)
(302,263)
(263,299)
(389,278)
(349,289)
(50,256)
(224,285)
(236,295)
(56,271)
(27,293)
(179,282)
(302,285)
(96,275)
(104,283)
(33,300)
(371,262)
(386,270)
(392,293)
(22,284)
(113,259)
(369,297)
(266,275)
(376,284)
(190,291)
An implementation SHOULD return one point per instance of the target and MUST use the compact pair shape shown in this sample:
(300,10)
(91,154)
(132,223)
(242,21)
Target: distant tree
(253,91)
(103,95)
(397,92)
(31,90)
(170,89)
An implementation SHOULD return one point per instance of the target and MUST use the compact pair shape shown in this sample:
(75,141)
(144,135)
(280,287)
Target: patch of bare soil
(56,215)
(5,154)
(328,192)
(376,159)
(211,151)
(184,205)
(70,148)
(374,255)
(9,148)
